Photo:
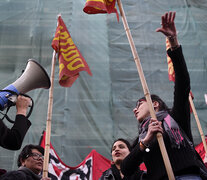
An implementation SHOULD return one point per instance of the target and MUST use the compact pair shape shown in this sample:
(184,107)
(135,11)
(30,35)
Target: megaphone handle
(31,108)
(29,113)
(30,105)
(7,117)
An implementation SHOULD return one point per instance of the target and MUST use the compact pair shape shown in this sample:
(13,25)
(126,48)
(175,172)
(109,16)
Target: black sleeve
(13,175)
(131,163)
(12,138)
(181,106)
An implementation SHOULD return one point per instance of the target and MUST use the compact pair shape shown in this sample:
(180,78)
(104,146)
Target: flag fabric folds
(91,168)
(200,149)
(100,6)
(71,62)
(171,72)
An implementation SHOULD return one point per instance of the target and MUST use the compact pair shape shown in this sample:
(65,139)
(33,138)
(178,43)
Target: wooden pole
(49,118)
(146,92)
(198,123)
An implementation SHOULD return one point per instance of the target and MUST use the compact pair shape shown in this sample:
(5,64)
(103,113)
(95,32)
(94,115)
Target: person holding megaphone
(12,138)
(33,77)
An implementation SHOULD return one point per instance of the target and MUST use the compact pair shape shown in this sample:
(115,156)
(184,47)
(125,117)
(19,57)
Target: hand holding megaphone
(34,77)
(22,104)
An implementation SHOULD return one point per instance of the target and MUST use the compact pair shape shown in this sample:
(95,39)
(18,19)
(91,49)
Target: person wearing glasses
(174,124)
(30,164)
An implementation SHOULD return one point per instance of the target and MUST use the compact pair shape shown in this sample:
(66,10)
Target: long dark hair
(162,105)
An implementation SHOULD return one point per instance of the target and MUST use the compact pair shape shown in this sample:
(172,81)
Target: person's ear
(22,162)
(156,105)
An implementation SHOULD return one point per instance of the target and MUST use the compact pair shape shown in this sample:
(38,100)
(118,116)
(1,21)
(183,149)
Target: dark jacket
(22,173)
(182,159)
(12,138)
(109,175)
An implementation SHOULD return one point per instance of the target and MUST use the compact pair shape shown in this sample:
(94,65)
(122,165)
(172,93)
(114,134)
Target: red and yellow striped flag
(171,72)
(100,6)
(71,62)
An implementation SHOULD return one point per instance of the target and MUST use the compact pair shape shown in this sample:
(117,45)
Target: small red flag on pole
(71,62)
(100,6)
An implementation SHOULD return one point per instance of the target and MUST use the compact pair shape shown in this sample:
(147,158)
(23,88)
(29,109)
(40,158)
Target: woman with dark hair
(120,149)
(174,124)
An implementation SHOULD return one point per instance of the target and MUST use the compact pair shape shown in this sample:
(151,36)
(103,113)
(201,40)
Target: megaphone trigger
(12,98)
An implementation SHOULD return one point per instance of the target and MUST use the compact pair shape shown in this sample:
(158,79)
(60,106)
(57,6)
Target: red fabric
(90,168)
(143,167)
(171,72)
(71,62)
(100,6)
(200,149)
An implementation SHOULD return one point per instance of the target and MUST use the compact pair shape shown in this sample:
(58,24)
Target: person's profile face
(119,152)
(34,161)
(141,111)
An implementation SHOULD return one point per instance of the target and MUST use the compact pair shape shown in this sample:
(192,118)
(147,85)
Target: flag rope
(146,92)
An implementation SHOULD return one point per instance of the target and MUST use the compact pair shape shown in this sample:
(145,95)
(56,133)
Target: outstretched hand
(168,25)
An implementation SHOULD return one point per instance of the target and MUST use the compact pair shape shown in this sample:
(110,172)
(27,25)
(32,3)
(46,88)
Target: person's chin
(139,120)
(118,161)
(38,169)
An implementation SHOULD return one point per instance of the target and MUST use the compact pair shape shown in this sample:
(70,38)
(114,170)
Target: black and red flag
(91,168)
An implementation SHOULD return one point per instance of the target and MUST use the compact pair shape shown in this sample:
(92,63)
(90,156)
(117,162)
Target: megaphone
(33,77)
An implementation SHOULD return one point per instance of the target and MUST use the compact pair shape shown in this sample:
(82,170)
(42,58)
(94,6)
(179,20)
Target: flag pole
(198,123)
(49,118)
(146,92)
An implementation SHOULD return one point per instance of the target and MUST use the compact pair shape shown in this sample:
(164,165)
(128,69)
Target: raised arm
(181,108)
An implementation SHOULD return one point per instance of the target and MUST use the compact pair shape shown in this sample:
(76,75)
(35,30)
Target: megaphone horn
(33,77)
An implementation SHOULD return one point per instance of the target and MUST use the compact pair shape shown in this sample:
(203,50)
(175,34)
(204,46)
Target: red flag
(71,62)
(90,168)
(200,149)
(171,72)
(100,6)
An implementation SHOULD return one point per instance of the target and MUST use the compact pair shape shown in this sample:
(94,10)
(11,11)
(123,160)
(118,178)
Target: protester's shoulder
(16,175)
